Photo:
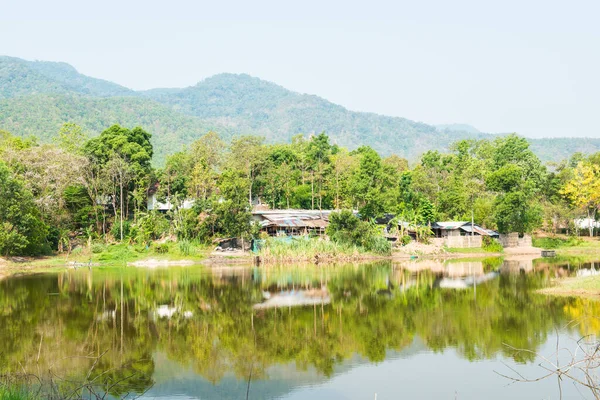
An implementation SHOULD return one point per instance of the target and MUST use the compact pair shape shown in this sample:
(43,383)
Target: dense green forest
(82,188)
(36,98)
(46,113)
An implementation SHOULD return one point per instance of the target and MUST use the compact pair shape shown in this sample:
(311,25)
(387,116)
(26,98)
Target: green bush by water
(162,248)
(491,245)
(556,242)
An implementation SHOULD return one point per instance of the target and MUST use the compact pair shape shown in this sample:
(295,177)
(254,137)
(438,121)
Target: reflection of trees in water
(373,309)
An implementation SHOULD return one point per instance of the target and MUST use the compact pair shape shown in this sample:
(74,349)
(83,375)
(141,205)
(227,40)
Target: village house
(462,234)
(153,204)
(460,228)
(292,222)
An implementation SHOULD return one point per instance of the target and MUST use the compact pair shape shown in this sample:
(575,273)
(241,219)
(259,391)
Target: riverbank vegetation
(96,192)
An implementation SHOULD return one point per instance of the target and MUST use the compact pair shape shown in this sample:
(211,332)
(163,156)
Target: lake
(416,329)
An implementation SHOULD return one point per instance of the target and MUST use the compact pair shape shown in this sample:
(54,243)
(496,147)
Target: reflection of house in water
(516,265)
(294,298)
(166,311)
(449,275)
(466,282)
(452,269)
(107,315)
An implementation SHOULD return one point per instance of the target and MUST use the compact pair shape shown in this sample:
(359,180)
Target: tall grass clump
(185,247)
(305,248)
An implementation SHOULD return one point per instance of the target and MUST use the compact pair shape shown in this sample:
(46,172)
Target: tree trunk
(312,190)
(121,185)
(250,190)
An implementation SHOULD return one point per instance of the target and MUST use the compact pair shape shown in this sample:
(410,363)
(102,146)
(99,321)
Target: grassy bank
(565,245)
(101,254)
(588,287)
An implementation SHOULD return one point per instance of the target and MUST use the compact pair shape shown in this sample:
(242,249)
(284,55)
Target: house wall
(513,240)
(466,241)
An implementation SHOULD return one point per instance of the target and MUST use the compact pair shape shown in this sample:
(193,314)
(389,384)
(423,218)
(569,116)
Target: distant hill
(458,128)
(37,97)
(19,77)
(250,105)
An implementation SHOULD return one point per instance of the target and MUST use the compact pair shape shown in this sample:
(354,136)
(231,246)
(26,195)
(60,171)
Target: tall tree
(368,181)
(247,156)
(583,190)
(124,155)
(22,231)
(318,152)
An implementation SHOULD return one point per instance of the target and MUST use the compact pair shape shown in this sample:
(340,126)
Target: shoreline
(31,265)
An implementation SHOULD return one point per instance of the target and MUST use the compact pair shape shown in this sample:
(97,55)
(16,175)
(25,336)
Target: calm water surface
(387,331)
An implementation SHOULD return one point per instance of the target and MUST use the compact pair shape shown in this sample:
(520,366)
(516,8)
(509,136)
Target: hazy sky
(526,66)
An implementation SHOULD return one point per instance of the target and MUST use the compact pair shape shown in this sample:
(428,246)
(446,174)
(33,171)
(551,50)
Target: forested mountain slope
(251,105)
(42,116)
(19,77)
(37,97)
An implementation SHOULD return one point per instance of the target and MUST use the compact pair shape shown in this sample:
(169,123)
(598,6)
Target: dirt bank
(154,263)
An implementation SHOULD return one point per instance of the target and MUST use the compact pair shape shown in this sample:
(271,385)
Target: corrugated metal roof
(290,219)
(479,230)
(451,224)
(317,223)
(448,225)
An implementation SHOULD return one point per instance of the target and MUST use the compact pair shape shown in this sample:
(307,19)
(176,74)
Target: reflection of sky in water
(412,373)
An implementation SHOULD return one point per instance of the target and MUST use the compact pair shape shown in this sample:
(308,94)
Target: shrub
(150,226)
(98,248)
(162,248)
(404,240)
(379,245)
(115,229)
(491,245)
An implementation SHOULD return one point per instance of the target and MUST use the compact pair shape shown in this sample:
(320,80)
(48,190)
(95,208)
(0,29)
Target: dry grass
(588,287)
